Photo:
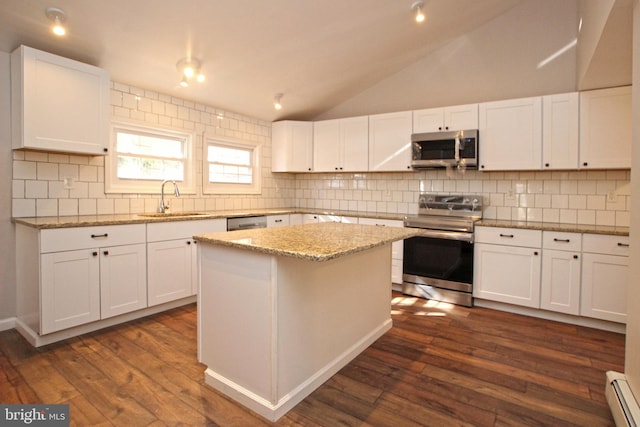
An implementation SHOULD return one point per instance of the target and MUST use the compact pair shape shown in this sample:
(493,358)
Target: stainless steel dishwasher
(246,223)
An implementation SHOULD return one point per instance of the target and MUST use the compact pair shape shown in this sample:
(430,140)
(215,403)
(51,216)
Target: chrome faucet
(164,206)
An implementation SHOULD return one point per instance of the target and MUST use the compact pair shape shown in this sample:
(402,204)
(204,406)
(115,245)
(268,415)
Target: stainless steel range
(438,264)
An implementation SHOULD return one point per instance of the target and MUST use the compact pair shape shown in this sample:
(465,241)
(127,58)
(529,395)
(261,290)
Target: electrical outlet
(68,182)
(612,197)
(511,194)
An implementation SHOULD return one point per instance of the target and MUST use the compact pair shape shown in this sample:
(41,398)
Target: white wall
(7,231)
(632,359)
(499,60)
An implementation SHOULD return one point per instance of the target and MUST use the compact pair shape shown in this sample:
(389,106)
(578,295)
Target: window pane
(153,169)
(228,155)
(140,144)
(230,174)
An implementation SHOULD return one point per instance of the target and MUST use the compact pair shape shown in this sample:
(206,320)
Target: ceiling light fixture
(57,16)
(190,68)
(277,101)
(418,7)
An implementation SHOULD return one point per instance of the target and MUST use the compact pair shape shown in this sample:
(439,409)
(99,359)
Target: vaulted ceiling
(319,54)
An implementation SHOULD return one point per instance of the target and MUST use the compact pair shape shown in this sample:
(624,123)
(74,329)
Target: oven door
(442,262)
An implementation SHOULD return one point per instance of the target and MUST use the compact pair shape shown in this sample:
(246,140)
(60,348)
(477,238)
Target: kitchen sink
(172,214)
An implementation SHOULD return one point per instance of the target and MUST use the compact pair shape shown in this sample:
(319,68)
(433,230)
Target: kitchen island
(282,310)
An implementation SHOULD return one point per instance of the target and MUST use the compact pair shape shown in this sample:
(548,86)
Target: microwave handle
(457,149)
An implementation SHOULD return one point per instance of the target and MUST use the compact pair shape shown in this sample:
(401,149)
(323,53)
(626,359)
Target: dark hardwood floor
(439,365)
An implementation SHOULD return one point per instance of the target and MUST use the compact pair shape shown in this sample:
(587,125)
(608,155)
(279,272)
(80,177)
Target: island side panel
(327,313)
(235,328)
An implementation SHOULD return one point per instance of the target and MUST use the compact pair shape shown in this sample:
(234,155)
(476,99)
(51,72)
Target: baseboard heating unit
(623,405)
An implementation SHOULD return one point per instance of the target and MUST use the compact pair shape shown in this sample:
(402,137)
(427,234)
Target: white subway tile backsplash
(24,170)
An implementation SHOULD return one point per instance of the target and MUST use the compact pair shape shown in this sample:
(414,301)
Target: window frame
(113,184)
(232,188)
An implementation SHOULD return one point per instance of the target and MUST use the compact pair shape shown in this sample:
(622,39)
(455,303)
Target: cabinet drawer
(509,236)
(160,231)
(605,244)
(277,220)
(381,222)
(66,239)
(562,241)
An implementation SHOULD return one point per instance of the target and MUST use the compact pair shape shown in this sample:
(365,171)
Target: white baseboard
(6,324)
(551,315)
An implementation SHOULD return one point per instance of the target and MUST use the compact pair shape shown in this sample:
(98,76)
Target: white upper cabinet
(341,145)
(292,146)
(560,131)
(605,128)
(390,141)
(58,104)
(511,134)
(460,117)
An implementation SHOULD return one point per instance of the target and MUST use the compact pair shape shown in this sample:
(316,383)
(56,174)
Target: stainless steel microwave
(445,149)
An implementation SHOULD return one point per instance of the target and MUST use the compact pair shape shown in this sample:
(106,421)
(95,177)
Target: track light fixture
(418,7)
(190,68)
(57,16)
(277,101)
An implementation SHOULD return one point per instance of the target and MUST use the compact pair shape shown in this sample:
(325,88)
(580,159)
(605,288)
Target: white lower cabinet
(278,220)
(507,265)
(70,289)
(605,269)
(172,262)
(83,274)
(561,261)
(397,248)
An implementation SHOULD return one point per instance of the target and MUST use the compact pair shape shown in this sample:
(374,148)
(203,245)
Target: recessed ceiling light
(418,8)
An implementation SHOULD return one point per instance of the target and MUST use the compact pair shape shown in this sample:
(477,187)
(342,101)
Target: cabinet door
(560,131)
(461,117)
(428,120)
(277,220)
(560,286)
(354,144)
(390,142)
(507,274)
(511,134)
(70,289)
(605,128)
(292,146)
(326,146)
(58,104)
(310,218)
(123,279)
(604,287)
(169,266)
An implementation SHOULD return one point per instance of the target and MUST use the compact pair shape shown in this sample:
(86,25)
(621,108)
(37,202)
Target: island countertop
(315,242)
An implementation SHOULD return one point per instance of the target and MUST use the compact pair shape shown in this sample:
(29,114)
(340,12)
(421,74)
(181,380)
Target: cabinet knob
(446,128)
(188,242)
(535,253)
(309,169)
(439,127)
(546,165)
(106,150)
(585,164)
(105,252)
(409,167)
(481,166)
(575,257)
(94,253)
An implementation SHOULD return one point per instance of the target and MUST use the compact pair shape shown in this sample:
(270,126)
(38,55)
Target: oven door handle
(447,235)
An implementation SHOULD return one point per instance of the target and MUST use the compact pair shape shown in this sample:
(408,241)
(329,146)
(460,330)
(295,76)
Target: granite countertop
(556,226)
(144,218)
(314,242)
